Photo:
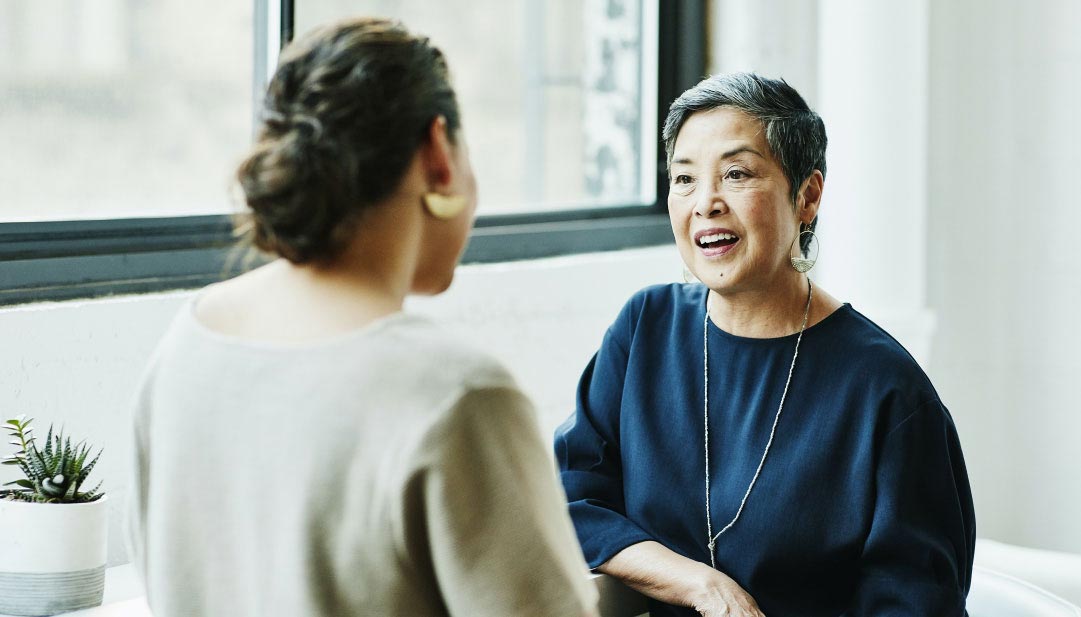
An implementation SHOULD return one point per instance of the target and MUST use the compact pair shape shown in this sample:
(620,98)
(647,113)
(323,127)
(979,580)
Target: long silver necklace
(711,537)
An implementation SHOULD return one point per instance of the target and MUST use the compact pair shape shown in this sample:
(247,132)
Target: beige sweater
(391,471)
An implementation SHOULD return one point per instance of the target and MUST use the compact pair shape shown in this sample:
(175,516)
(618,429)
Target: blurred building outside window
(140,108)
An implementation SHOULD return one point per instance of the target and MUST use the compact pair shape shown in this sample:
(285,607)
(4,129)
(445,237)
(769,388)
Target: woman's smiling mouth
(715,242)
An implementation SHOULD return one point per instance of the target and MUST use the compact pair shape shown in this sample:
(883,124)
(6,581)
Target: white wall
(1005,84)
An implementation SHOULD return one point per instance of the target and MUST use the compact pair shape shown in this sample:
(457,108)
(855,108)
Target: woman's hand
(656,571)
(720,596)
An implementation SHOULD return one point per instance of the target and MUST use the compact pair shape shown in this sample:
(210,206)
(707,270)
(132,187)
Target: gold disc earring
(802,263)
(444,206)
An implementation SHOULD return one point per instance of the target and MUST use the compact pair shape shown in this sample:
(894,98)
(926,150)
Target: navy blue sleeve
(588,452)
(918,556)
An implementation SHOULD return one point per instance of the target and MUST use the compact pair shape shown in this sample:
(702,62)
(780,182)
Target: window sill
(69,260)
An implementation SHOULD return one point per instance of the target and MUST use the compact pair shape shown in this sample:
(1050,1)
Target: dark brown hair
(345,112)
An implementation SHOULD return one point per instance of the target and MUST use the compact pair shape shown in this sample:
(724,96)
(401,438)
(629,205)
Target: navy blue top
(863,506)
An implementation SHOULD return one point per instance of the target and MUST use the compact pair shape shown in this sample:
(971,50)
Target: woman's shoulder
(671,299)
(671,293)
(867,351)
(655,309)
(400,346)
(854,329)
(436,352)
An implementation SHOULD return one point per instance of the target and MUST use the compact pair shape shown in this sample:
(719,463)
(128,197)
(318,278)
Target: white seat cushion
(1055,571)
(996,594)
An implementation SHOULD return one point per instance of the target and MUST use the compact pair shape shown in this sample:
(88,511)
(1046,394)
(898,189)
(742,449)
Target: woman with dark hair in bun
(303,447)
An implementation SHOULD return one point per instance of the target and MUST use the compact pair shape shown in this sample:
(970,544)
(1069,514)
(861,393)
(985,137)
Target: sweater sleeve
(499,537)
(918,556)
(588,452)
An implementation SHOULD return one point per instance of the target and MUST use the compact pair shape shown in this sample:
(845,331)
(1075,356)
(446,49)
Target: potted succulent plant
(53,533)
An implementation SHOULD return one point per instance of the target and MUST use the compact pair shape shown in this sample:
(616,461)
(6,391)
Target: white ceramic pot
(52,556)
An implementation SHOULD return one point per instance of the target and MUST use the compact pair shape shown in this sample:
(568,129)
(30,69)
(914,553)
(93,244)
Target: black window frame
(81,259)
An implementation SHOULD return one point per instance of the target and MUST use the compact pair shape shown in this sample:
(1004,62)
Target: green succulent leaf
(92,495)
(54,473)
(90,466)
(17,423)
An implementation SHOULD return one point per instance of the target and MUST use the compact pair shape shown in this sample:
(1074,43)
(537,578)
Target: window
(117,108)
(128,119)
(558,97)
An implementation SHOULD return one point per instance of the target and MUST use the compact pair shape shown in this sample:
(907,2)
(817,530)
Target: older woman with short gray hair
(749,445)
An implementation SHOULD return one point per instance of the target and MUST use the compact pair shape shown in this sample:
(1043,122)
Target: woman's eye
(682,184)
(735,174)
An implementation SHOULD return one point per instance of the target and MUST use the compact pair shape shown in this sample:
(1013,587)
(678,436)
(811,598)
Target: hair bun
(308,128)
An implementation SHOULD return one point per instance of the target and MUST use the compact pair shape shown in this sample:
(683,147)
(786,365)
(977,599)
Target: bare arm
(655,571)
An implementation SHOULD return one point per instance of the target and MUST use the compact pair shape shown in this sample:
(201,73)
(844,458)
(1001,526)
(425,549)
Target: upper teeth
(716,238)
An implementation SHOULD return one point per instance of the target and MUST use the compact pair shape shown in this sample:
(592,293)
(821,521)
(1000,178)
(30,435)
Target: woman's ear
(810,197)
(438,157)
(439,198)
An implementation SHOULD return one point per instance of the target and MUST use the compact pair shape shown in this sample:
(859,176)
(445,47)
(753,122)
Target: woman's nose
(709,203)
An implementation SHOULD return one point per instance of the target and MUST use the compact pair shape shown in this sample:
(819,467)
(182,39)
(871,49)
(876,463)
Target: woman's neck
(374,272)
(767,313)
(284,302)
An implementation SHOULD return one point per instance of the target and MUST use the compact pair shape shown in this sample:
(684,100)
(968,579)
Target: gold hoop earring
(443,206)
(802,263)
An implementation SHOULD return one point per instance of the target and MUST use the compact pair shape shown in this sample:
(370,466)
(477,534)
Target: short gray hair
(795,134)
